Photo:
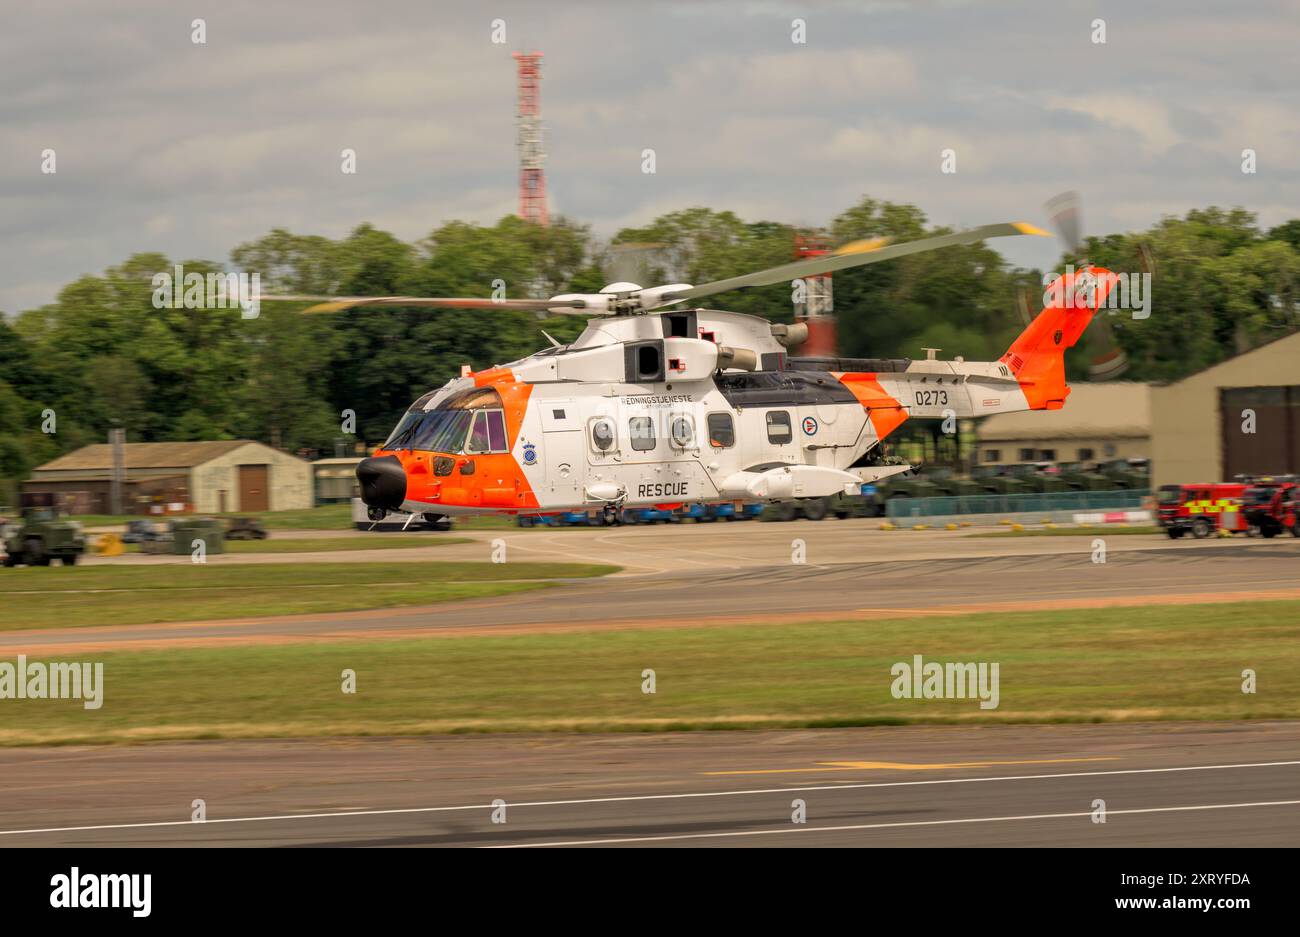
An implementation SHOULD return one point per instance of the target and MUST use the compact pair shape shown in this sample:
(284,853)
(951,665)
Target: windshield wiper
(397,440)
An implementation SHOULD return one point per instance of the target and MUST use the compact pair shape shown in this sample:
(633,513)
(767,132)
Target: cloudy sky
(163,144)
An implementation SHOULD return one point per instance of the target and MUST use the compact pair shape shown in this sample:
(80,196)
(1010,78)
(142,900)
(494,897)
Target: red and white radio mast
(817,311)
(532,181)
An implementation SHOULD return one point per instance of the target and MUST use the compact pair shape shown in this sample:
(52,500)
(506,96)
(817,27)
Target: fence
(1056,503)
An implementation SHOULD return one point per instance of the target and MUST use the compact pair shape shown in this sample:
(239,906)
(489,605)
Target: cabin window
(722,431)
(683,433)
(641,430)
(488,433)
(778,427)
(602,435)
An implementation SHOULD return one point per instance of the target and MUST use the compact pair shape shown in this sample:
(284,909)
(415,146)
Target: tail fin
(1037,357)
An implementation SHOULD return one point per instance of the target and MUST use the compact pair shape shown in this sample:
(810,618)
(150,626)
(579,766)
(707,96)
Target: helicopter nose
(383,482)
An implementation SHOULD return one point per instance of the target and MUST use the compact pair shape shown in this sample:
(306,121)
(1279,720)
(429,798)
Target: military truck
(950,485)
(1038,478)
(1130,474)
(43,537)
(995,481)
(1080,476)
(245,528)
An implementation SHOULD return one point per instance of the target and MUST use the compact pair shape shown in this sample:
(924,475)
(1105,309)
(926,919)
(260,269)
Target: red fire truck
(1270,507)
(1200,509)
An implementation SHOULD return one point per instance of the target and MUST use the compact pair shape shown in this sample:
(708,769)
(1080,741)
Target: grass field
(334,544)
(323,517)
(1150,663)
(61,597)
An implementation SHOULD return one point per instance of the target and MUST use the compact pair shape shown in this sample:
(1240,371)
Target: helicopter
(662,405)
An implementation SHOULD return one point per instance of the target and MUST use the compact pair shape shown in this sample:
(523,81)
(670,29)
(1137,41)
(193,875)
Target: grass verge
(1149,663)
(1109,530)
(62,597)
(334,544)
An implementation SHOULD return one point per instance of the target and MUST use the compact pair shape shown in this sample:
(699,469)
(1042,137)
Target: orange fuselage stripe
(885,413)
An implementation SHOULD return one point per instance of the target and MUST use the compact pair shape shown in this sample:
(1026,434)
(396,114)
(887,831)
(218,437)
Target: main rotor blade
(337,303)
(856,254)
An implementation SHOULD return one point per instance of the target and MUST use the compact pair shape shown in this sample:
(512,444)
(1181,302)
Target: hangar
(208,477)
(1100,421)
(1241,416)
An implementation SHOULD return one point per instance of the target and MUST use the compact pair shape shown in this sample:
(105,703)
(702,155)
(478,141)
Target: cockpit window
(472,421)
(442,431)
(488,434)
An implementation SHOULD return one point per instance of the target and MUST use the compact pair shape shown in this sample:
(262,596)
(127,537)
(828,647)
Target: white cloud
(189,150)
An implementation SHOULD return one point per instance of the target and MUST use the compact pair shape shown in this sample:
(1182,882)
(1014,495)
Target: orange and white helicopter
(660,406)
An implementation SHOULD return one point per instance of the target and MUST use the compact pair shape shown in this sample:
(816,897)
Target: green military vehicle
(1130,474)
(1037,477)
(1080,476)
(994,480)
(245,528)
(949,485)
(42,537)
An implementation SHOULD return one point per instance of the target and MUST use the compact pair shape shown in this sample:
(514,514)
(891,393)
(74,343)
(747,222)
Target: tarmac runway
(1226,784)
(1212,784)
(884,575)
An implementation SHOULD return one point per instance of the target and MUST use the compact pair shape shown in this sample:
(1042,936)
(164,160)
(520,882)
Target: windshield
(1258,495)
(403,429)
(446,428)
(441,431)
(1170,495)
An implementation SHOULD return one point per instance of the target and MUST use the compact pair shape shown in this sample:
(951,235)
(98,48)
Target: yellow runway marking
(903,766)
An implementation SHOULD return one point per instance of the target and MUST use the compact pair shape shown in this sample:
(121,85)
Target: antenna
(817,311)
(532,179)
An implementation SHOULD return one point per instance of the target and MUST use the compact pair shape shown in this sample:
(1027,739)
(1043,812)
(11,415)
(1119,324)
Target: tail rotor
(1106,359)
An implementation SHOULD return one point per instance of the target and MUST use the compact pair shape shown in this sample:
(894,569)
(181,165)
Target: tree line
(101,355)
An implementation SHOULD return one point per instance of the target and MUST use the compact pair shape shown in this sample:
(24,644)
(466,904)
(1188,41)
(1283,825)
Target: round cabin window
(602,435)
(683,433)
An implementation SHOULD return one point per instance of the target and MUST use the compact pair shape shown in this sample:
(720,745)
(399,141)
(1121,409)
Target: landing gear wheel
(1200,528)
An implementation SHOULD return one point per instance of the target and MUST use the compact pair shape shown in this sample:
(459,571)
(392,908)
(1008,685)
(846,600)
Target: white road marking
(643,797)
(879,826)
